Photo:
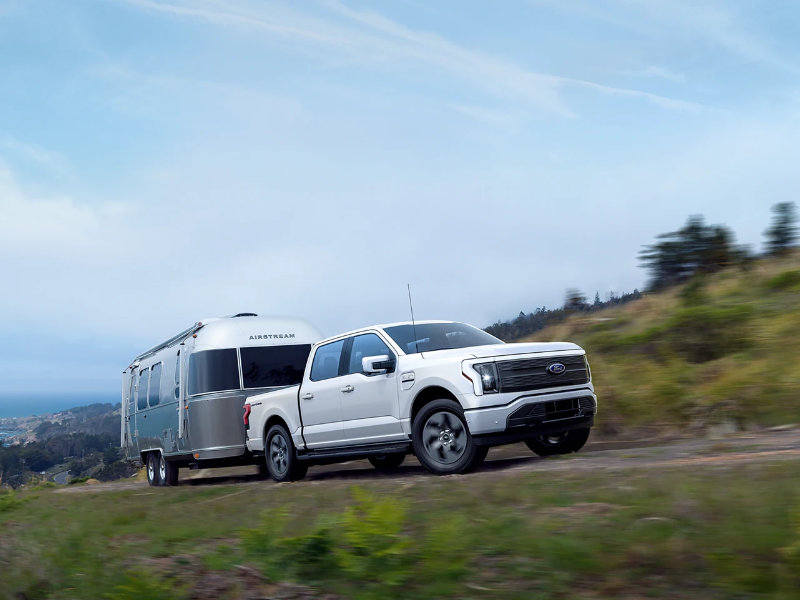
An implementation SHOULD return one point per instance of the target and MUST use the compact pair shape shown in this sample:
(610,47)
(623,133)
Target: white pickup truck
(445,391)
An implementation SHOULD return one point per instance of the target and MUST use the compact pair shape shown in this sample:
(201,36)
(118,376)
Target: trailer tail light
(247,410)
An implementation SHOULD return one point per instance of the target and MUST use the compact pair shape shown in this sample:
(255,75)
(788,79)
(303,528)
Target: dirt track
(762,446)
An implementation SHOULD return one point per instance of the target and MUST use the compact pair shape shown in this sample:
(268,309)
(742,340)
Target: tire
(441,438)
(280,456)
(480,455)
(386,462)
(560,443)
(151,466)
(167,472)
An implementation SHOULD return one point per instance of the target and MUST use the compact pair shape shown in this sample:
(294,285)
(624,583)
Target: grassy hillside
(718,349)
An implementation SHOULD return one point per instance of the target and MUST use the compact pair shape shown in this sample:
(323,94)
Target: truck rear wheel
(558,443)
(152,468)
(441,438)
(386,462)
(280,455)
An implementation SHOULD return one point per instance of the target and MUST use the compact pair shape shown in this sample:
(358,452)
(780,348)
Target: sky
(164,161)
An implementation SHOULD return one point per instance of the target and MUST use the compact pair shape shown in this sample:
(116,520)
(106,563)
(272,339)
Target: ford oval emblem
(556,368)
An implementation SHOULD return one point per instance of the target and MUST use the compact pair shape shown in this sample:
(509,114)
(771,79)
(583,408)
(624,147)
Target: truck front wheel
(282,461)
(441,439)
(559,443)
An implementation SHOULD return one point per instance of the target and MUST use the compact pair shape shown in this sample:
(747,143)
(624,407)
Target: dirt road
(762,446)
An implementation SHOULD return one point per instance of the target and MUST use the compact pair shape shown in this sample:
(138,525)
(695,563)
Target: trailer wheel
(280,456)
(152,468)
(167,471)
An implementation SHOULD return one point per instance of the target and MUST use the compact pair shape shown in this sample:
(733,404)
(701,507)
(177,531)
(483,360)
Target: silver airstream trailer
(182,401)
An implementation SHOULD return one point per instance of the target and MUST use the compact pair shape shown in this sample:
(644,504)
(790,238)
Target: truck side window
(155,385)
(326,361)
(365,345)
(141,395)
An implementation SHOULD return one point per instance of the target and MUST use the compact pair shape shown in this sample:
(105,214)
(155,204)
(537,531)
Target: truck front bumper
(528,415)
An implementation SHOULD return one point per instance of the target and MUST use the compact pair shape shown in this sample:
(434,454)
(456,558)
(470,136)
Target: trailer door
(131,444)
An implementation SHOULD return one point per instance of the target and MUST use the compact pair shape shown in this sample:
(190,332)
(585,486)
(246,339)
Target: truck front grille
(531,373)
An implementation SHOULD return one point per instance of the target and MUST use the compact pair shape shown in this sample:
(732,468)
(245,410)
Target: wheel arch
(429,394)
(274,420)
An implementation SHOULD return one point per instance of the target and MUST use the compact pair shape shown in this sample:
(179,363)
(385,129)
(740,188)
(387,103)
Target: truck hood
(497,350)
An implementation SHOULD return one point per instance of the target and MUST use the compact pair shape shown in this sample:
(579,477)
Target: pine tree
(782,234)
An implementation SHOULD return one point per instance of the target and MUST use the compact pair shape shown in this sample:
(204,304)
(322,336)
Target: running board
(356,451)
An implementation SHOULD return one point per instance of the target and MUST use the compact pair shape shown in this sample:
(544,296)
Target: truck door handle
(348,388)
(307,396)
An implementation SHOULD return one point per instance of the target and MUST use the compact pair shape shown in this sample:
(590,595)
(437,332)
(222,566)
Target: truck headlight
(488,373)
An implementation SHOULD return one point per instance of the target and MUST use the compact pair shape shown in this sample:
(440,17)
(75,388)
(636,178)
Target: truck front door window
(366,345)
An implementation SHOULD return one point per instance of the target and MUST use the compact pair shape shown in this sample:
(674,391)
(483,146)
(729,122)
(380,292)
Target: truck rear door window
(326,361)
(213,371)
(272,366)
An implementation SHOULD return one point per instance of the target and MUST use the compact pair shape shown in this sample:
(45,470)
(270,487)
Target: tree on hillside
(695,248)
(574,300)
(782,234)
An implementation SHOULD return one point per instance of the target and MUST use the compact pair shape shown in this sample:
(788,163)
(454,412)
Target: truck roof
(384,326)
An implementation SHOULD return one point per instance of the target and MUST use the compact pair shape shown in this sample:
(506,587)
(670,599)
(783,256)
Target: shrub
(703,333)
(374,545)
(784,281)
(8,501)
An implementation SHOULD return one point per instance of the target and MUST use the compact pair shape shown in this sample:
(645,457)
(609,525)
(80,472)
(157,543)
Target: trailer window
(178,376)
(155,385)
(141,395)
(271,366)
(213,371)
(131,392)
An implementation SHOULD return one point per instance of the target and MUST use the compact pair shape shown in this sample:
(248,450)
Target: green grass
(711,532)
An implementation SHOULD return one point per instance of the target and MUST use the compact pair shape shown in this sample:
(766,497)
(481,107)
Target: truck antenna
(413,324)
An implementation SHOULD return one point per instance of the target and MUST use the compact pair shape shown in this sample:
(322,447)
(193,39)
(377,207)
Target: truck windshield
(438,336)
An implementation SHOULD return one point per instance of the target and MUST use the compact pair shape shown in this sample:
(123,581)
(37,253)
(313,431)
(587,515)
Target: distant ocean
(27,404)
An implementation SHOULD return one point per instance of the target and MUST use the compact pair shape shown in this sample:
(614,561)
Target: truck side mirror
(374,365)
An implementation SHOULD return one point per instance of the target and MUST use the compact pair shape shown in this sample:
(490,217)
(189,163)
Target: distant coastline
(28,404)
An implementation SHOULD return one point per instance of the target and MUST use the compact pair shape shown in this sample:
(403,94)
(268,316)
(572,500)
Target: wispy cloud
(717,25)
(228,19)
(661,73)
(370,37)
(52,161)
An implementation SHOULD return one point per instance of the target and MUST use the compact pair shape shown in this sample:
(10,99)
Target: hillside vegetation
(719,349)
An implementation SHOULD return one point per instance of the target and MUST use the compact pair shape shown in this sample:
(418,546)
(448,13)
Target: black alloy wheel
(558,443)
(441,438)
(280,456)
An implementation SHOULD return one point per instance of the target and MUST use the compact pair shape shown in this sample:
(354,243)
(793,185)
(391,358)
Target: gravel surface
(762,446)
